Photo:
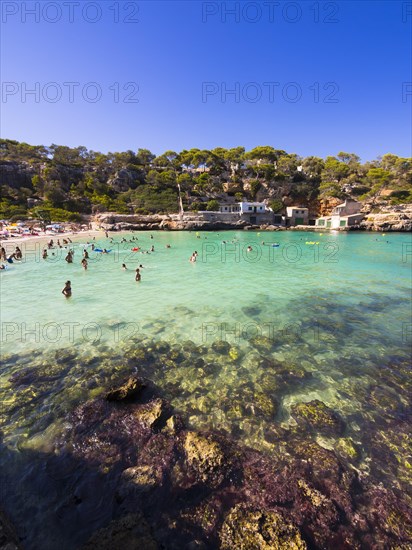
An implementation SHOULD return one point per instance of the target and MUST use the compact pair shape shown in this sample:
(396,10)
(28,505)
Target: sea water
(337,305)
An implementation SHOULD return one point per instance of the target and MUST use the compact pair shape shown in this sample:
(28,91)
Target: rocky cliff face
(17,174)
(392,218)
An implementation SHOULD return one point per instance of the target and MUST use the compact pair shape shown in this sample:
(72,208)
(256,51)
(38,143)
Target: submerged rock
(174,424)
(139,480)
(8,536)
(347,449)
(258,530)
(206,459)
(265,405)
(318,417)
(221,346)
(127,533)
(152,414)
(263,343)
(128,390)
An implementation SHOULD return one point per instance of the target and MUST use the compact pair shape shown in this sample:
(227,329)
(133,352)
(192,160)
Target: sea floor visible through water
(236,341)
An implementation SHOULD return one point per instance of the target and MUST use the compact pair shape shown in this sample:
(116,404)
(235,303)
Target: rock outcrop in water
(180,489)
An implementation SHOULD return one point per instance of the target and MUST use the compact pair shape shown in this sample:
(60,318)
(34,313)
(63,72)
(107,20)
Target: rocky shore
(126,470)
(395,219)
(175,488)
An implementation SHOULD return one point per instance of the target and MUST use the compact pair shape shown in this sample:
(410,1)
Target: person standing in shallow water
(67,290)
(84,263)
(138,277)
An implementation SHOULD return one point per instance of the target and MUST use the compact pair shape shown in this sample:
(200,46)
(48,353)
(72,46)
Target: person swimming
(67,290)
(84,263)
(152,249)
(85,254)
(192,258)
(44,255)
(18,254)
(69,257)
(3,254)
(249,248)
(124,267)
(138,276)
(92,246)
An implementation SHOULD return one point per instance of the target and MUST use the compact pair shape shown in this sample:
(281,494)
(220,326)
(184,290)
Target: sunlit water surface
(339,310)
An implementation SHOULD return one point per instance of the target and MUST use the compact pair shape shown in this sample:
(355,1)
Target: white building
(228,208)
(253,212)
(253,208)
(296,215)
(344,215)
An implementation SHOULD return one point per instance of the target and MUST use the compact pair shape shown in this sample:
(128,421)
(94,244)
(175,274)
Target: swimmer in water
(3,254)
(18,254)
(249,249)
(152,249)
(44,255)
(168,246)
(85,254)
(192,258)
(69,257)
(124,267)
(67,290)
(138,276)
(84,263)
(92,246)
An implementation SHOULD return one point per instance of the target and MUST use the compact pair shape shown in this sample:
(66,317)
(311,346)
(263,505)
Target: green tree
(255,185)
(212,205)
(276,205)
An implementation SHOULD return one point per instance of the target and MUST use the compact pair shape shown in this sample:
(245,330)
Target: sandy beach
(11,243)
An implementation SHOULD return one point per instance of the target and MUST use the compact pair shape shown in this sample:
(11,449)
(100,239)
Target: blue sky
(308,77)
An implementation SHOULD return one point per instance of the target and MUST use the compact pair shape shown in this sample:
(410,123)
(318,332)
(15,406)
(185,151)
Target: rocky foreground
(174,488)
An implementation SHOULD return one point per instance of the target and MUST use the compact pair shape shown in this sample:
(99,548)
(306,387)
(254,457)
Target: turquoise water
(351,290)
(331,320)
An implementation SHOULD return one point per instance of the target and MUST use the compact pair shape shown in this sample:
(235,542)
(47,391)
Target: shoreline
(90,234)
(44,239)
